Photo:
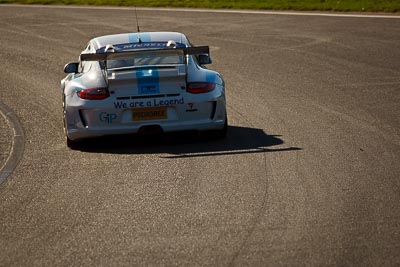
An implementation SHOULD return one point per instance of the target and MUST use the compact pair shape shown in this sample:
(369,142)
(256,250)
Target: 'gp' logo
(107,117)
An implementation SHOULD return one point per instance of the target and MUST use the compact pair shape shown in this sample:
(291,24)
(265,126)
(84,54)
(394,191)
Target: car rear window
(147,58)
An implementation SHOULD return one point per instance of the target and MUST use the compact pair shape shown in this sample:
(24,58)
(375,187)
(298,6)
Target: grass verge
(304,5)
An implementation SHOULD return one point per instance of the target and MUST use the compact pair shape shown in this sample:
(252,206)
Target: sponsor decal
(134,45)
(149,89)
(148,81)
(191,109)
(107,117)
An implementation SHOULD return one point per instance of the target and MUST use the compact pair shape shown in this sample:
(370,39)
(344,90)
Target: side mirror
(204,59)
(71,67)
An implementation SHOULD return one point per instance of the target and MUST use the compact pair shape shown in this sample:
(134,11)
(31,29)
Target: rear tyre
(216,134)
(72,144)
(221,134)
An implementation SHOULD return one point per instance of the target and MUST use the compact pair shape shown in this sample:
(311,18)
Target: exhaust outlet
(150,130)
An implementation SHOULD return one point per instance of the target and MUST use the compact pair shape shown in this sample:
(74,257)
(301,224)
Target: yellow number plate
(145,114)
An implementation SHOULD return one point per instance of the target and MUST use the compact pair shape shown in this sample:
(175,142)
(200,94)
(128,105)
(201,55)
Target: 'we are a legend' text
(149,103)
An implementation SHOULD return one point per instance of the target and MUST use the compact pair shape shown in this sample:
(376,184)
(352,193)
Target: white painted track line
(228,11)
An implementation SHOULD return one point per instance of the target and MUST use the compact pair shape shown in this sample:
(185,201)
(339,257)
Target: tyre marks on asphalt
(262,203)
(259,160)
(5,141)
(17,142)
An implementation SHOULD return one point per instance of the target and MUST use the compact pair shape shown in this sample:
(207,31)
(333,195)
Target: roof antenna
(138,28)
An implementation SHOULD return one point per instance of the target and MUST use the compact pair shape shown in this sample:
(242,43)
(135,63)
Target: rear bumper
(87,119)
(77,133)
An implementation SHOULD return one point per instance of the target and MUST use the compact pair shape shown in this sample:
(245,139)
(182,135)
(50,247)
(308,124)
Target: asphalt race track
(309,173)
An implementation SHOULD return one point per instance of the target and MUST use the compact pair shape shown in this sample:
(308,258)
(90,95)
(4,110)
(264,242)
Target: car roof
(126,38)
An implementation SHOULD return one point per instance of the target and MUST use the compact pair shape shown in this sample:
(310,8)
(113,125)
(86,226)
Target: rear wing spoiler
(196,50)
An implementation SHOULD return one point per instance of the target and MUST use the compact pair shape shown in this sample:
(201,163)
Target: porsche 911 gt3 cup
(142,82)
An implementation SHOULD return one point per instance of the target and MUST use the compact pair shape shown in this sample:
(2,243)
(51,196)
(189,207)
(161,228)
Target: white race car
(142,83)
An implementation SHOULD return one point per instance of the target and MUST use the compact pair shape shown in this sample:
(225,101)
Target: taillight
(94,93)
(199,87)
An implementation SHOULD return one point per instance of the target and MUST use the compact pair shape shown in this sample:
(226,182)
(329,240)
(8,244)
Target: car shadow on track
(240,140)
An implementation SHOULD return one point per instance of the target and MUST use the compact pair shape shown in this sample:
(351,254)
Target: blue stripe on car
(134,37)
(210,77)
(148,81)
